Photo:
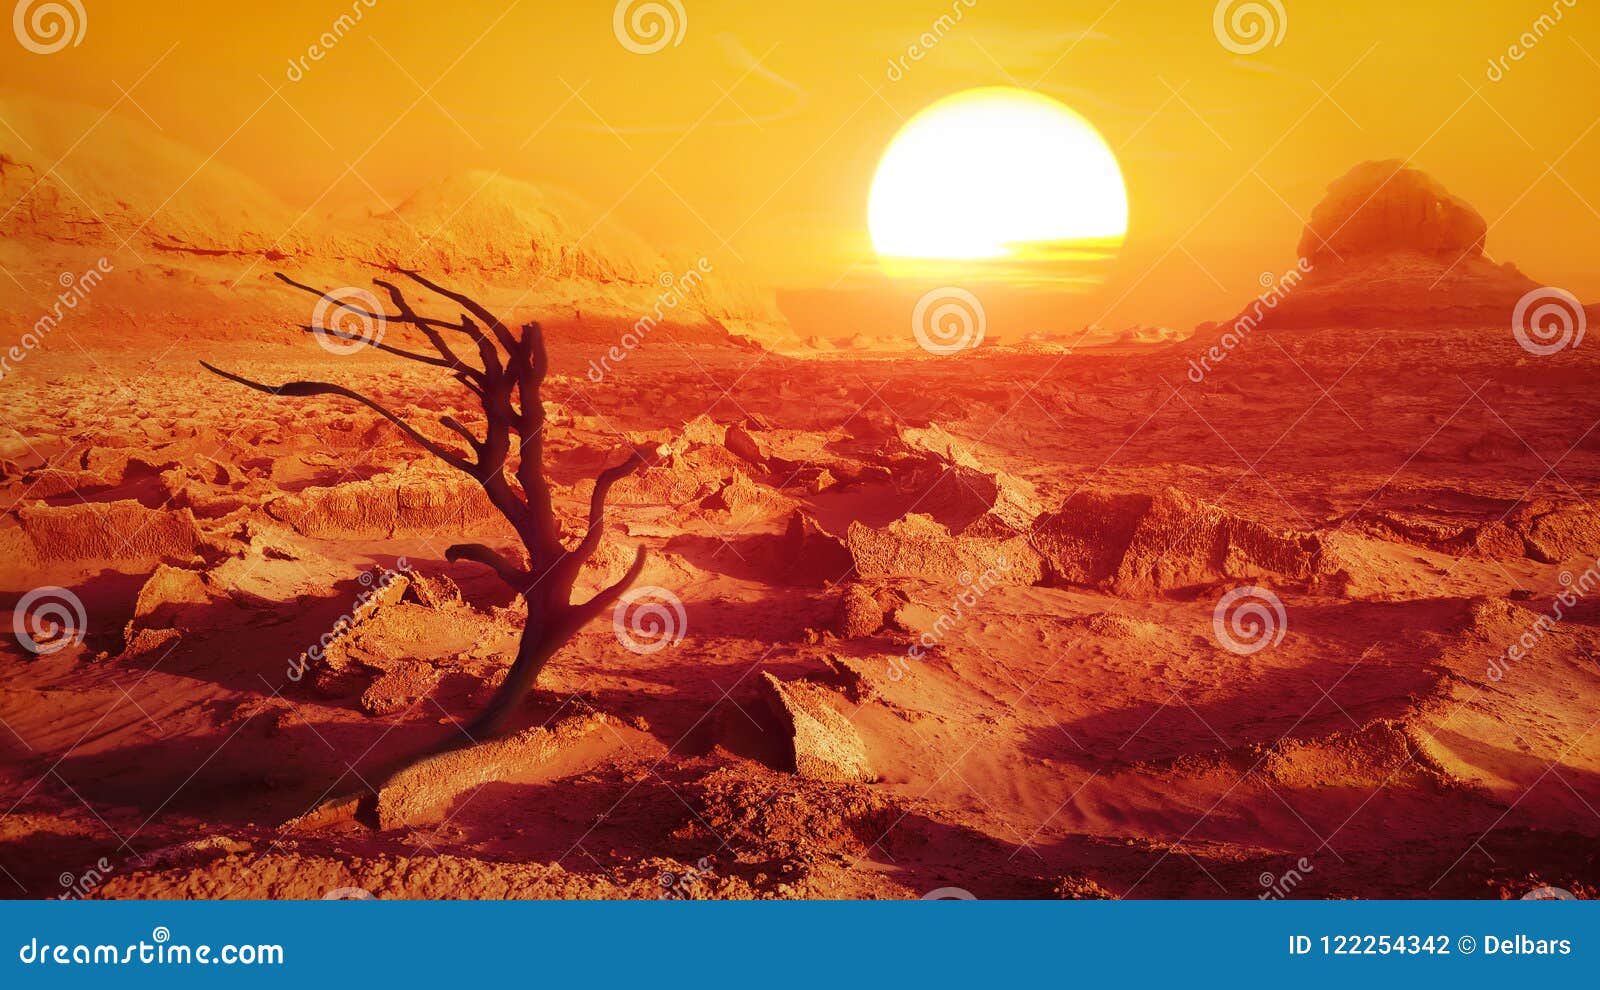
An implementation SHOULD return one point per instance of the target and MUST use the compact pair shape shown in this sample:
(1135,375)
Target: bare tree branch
(510,573)
(307,389)
(597,505)
(378,345)
(471,385)
(508,385)
(426,326)
(489,319)
(451,423)
(604,599)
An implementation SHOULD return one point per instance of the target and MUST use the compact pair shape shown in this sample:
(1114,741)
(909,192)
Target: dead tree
(507,377)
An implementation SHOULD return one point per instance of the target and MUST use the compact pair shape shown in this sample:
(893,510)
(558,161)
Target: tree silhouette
(508,462)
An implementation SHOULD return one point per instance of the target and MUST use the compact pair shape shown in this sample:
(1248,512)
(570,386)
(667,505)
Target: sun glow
(997,175)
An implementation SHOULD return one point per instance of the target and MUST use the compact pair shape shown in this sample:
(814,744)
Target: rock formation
(1389,247)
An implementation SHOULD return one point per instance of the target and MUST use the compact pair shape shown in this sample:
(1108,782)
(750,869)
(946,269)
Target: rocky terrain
(1307,611)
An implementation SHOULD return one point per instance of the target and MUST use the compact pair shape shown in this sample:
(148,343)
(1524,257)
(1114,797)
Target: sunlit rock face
(1388,247)
(1380,208)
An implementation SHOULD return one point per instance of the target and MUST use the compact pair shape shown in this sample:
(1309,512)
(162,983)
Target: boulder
(741,502)
(826,746)
(172,598)
(742,443)
(809,554)
(1168,541)
(950,484)
(398,689)
(1552,534)
(860,612)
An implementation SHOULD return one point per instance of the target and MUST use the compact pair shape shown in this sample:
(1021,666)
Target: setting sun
(997,174)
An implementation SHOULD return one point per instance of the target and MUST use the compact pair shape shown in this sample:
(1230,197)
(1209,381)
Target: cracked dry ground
(1059,529)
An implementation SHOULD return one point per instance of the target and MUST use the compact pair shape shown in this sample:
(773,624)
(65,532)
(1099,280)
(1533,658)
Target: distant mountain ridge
(216,233)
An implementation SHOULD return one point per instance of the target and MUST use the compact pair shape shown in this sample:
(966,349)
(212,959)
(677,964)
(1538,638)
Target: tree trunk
(542,636)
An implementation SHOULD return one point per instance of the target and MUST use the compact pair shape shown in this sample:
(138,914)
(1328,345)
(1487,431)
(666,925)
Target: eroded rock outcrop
(954,487)
(1166,541)
(381,506)
(809,554)
(826,746)
(109,531)
(1383,207)
(920,547)
(1388,247)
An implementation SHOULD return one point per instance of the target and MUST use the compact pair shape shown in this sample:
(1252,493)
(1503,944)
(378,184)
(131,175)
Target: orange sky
(700,146)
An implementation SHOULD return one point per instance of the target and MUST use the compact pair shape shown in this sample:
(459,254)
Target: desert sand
(909,623)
